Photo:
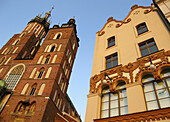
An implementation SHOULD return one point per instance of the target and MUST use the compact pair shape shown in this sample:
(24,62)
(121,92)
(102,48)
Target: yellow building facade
(131,69)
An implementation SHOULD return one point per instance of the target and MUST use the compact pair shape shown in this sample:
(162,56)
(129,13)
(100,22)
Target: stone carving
(129,68)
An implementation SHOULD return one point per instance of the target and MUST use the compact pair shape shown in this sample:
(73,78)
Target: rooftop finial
(48,14)
(73,17)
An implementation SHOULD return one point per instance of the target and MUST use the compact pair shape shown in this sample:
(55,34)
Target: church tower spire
(48,14)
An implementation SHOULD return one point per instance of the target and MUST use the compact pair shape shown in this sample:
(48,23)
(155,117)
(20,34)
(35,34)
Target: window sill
(143,57)
(106,70)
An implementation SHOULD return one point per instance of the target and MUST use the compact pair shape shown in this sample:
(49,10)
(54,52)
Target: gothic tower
(37,77)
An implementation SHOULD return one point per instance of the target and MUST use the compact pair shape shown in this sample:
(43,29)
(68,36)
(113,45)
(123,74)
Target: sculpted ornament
(129,68)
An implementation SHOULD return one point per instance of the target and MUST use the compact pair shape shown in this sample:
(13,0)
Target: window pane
(151,43)
(115,63)
(110,44)
(109,65)
(142,46)
(108,59)
(152,105)
(123,101)
(162,93)
(164,102)
(153,49)
(113,96)
(123,94)
(145,29)
(114,104)
(123,110)
(105,105)
(114,57)
(105,98)
(139,31)
(148,87)
(105,114)
(150,96)
(159,85)
(168,81)
(144,52)
(114,112)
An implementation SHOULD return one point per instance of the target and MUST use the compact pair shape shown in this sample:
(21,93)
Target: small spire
(59,23)
(48,14)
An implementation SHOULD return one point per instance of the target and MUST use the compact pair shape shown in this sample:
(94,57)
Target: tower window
(16,42)
(114,103)
(41,73)
(32,90)
(111,41)
(111,61)
(58,35)
(47,59)
(14,76)
(52,49)
(148,47)
(2,60)
(141,28)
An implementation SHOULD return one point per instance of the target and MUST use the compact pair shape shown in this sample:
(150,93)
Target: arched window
(41,72)
(9,51)
(19,107)
(48,72)
(41,89)
(22,35)
(32,50)
(25,88)
(32,108)
(73,45)
(32,90)
(57,36)
(52,48)
(47,59)
(33,72)
(114,103)
(2,60)
(13,76)
(15,50)
(4,50)
(36,43)
(15,42)
(54,59)
(156,92)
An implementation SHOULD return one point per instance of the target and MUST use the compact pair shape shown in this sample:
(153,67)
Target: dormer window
(141,28)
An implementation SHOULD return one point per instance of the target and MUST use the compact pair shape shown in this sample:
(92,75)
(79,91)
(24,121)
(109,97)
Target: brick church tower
(36,77)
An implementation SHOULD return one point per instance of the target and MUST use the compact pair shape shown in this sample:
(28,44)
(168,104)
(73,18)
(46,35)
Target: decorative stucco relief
(130,68)
(127,19)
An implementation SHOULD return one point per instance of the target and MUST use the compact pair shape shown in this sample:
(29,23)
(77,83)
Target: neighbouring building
(37,76)
(163,7)
(130,79)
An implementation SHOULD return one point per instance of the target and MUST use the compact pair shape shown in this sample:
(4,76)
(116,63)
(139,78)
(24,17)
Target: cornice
(126,20)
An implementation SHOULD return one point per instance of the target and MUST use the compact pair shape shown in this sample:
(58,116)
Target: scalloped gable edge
(126,20)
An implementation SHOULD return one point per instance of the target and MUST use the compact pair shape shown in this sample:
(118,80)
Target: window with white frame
(114,103)
(13,77)
(157,92)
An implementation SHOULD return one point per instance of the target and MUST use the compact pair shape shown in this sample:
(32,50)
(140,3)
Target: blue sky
(90,15)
